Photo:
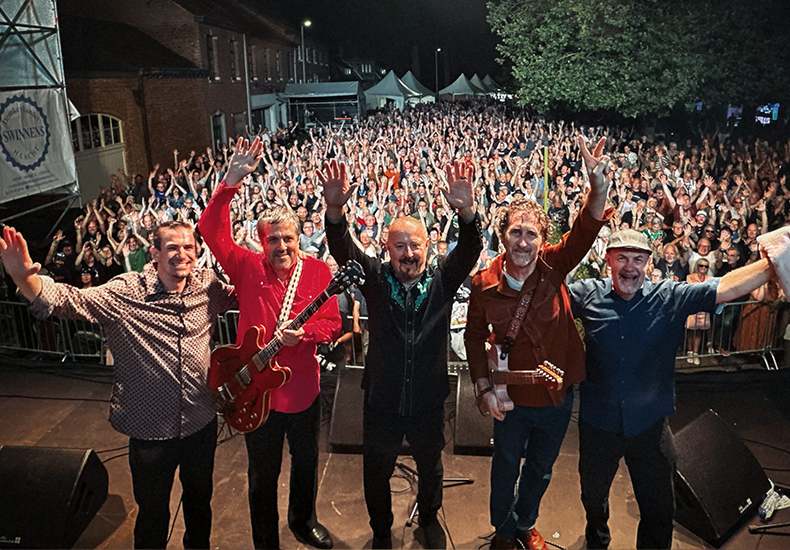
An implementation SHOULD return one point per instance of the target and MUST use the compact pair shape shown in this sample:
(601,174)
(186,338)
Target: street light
(306,23)
(436,66)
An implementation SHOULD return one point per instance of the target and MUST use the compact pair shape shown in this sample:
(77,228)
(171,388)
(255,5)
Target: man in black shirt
(670,265)
(405,379)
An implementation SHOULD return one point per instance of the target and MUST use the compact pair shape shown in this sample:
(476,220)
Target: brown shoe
(501,543)
(532,540)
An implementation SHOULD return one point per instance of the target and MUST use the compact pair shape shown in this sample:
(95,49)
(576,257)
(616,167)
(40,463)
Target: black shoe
(383,541)
(317,536)
(434,535)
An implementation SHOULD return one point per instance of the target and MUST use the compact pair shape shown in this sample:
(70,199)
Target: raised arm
(744,280)
(597,167)
(19,265)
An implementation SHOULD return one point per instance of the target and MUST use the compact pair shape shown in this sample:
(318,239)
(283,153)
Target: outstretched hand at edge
(18,263)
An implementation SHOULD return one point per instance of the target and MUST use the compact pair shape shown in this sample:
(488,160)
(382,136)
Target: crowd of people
(707,197)
(423,199)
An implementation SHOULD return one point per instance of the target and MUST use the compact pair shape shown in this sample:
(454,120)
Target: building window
(290,66)
(218,129)
(235,69)
(267,63)
(251,62)
(278,64)
(315,56)
(95,131)
(213,57)
(346,71)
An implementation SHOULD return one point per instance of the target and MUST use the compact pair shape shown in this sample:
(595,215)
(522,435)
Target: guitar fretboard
(274,345)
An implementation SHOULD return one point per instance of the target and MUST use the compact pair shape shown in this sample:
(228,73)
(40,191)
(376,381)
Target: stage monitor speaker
(48,496)
(345,431)
(719,484)
(474,433)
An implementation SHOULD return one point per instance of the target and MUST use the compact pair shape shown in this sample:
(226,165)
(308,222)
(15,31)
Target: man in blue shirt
(632,329)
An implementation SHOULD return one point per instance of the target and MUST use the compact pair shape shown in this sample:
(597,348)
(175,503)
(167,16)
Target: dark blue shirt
(631,347)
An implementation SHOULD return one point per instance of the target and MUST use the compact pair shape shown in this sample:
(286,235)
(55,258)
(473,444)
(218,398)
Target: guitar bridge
(243,377)
(224,401)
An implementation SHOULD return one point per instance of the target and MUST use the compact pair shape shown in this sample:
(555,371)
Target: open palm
(15,254)
(337,191)
(459,188)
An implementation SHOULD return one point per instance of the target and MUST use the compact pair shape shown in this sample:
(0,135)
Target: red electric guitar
(242,377)
(546,374)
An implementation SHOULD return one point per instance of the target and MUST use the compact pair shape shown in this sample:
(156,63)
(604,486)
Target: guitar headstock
(550,375)
(349,274)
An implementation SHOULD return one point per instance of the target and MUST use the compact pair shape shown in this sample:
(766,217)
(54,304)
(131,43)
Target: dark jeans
(382,437)
(264,456)
(153,465)
(535,435)
(650,457)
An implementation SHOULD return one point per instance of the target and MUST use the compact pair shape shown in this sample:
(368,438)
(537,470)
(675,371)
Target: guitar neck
(520,377)
(274,345)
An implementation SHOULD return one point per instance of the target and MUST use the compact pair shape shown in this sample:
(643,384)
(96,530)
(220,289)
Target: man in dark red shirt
(535,427)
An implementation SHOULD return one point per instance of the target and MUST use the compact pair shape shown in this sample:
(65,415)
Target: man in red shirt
(261,281)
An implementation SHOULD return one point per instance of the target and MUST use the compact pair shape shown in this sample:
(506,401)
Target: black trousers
(382,437)
(264,456)
(153,465)
(650,457)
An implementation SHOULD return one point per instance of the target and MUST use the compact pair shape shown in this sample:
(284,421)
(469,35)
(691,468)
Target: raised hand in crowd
(245,159)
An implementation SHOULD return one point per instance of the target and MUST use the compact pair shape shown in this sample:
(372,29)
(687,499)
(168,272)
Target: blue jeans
(534,434)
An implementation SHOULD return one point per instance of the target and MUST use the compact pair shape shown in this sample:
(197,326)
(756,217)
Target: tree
(640,57)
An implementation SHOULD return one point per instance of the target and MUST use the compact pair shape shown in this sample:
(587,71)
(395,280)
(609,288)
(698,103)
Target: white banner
(35,143)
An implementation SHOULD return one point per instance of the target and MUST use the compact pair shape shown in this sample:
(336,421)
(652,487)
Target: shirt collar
(155,287)
(608,287)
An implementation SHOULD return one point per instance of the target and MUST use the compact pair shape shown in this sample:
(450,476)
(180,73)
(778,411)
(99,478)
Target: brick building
(150,76)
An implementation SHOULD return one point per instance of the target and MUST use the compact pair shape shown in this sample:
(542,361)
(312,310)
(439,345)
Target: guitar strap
(515,324)
(290,293)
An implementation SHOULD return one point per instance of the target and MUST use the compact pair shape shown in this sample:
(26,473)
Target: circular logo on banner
(24,132)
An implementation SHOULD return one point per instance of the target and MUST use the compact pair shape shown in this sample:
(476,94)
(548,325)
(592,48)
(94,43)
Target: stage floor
(66,406)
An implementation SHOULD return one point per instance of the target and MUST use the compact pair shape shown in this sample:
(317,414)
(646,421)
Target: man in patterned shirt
(158,324)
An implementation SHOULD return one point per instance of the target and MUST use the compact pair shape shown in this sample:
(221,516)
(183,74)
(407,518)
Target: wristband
(483,391)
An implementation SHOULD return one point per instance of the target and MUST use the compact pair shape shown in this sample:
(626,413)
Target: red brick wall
(164,20)
(178,109)
(113,96)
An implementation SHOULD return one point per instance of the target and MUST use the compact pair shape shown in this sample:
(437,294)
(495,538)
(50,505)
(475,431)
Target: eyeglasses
(710,231)
(703,266)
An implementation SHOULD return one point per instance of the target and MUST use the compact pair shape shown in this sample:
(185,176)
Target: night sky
(388,30)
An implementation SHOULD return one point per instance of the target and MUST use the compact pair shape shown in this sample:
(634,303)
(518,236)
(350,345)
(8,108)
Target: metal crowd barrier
(56,336)
(742,328)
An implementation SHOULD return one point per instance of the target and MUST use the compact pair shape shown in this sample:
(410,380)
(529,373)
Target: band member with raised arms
(158,325)
(632,328)
(528,282)
(266,283)
(405,378)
